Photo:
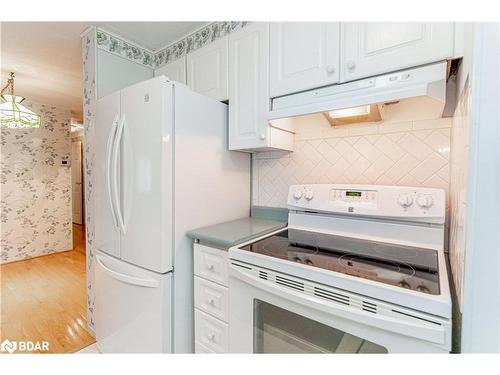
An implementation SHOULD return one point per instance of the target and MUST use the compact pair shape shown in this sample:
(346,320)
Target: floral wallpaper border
(156,59)
(198,39)
(127,50)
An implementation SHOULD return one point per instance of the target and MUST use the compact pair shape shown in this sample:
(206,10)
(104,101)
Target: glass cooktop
(403,266)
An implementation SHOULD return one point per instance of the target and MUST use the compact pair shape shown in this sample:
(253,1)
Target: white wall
(481,280)
(115,72)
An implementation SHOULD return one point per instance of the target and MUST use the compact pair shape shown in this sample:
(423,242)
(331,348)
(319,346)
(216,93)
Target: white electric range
(359,269)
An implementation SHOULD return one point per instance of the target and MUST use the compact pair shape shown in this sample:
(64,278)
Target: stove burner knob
(404,284)
(309,195)
(405,200)
(423,289)
(298,194)
(425,201)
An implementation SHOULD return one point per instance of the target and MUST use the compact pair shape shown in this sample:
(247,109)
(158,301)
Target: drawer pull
(211,337)
(210,267)
(211,302)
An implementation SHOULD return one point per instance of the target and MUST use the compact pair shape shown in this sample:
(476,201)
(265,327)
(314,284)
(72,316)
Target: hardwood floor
(44,299)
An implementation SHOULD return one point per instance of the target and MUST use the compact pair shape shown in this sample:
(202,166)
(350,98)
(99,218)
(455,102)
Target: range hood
(418,93)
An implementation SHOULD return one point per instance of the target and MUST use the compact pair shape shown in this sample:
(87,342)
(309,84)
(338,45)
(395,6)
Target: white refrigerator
(162,168)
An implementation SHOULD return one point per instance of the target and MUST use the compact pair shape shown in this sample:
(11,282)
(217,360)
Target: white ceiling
(47,56)
(152,35)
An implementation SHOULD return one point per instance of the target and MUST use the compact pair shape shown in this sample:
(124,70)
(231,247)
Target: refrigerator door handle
(147,283)
(116,172)
(109,151)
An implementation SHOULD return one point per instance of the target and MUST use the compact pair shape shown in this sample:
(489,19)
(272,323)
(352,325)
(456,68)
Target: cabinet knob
(330,69)
(351,65)
(262,136)
(211,337)
(211,267)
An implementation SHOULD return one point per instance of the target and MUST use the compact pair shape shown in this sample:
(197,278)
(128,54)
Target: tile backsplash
(411,153)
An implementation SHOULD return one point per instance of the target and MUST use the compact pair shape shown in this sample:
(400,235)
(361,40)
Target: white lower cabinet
(211,300)
(211,332)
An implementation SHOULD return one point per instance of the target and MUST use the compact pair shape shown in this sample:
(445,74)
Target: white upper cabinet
(303,55)
(207,70)
(249,87)
(372,48)
(175,71)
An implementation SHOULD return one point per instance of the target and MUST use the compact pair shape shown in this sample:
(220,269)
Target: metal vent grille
(370,307)
(297,285)
(332,296)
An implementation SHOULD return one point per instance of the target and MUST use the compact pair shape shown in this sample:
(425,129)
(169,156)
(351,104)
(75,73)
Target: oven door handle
(421,331)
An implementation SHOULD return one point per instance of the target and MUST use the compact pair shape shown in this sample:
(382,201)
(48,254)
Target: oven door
(276,313)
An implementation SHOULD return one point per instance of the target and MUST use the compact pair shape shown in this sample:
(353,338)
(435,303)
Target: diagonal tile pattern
(410,155)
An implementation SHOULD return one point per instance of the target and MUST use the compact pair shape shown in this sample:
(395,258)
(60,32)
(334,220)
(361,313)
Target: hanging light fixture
(12,113)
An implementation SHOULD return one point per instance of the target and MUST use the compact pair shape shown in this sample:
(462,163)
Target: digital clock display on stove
(353,194)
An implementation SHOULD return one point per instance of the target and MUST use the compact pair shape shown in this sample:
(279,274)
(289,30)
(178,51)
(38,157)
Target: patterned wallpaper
(458,190)
(89,99)
(156,59)
(35,188)
(412,153)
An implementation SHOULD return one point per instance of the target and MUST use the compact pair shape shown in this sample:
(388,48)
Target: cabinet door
(303,55)
(374,48)
(207,70)
(249,87)
(175,71)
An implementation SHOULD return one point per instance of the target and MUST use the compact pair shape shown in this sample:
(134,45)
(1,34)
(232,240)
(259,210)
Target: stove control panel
(400,202)
(354,197)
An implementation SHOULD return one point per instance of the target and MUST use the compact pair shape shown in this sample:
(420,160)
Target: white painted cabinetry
(249,104)
(373,48)
(207,70)
(175,71)
(303,55)
(211,300)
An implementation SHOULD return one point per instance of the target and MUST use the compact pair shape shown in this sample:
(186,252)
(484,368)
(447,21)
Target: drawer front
(211,264)
(202,349)
(211,298)
(210,332)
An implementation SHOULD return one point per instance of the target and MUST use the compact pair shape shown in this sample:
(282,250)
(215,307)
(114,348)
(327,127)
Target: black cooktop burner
(403,266)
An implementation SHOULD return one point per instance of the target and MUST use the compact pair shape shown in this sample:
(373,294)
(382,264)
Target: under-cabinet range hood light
(364,113)
(421,89)
(363,110)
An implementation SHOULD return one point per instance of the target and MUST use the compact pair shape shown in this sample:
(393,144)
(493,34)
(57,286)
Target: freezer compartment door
(132,308)
(146,174)
(107,235)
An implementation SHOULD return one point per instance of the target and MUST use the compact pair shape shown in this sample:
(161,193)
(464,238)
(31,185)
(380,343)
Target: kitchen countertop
(231,233)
